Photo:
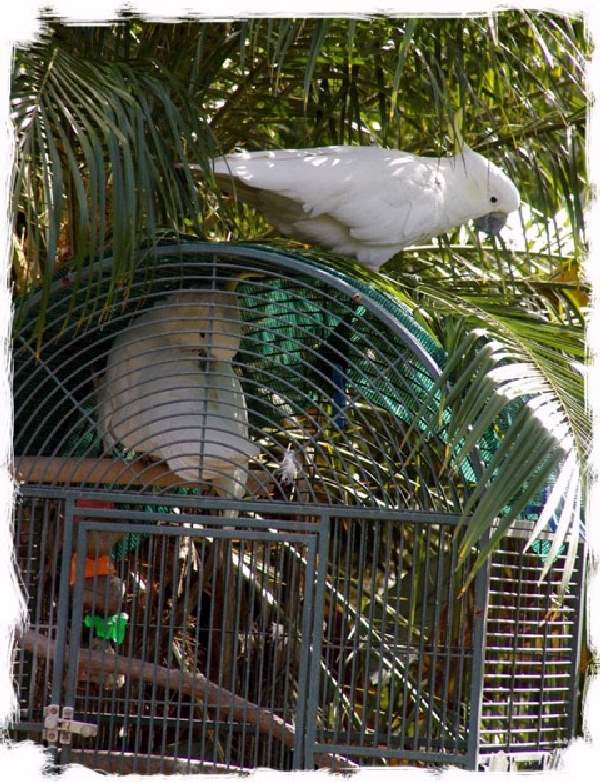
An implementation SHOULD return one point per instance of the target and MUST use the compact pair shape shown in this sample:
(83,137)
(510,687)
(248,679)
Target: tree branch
(194,684)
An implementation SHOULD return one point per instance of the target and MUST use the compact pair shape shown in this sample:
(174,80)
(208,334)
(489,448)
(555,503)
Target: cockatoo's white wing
(340,196)
(194,420)
(366,201)
(161,399)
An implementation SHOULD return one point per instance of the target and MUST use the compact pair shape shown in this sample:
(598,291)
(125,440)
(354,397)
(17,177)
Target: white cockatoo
(369,202)
(170,390)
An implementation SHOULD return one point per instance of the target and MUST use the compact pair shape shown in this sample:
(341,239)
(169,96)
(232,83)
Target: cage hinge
(58,730)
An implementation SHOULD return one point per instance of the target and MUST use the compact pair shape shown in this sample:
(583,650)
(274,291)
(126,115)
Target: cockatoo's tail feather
(170,390)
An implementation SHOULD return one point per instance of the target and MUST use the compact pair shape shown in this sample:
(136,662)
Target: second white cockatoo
(170,390)
(369,202)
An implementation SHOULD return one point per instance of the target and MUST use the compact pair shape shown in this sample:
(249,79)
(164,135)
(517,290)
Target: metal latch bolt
(58,730)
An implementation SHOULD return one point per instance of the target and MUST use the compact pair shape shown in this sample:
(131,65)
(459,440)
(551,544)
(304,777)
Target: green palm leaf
(96,148)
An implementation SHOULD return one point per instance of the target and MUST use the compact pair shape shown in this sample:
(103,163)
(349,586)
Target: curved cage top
(278,378)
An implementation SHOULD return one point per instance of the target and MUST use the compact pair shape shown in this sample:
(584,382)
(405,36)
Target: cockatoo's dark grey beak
(491,223)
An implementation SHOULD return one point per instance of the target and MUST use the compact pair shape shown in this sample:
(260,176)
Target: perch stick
(74,470)
(194,684)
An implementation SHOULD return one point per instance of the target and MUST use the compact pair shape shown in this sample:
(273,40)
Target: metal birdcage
(239,550)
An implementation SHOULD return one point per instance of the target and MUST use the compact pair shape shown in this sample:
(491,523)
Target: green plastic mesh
(291,316)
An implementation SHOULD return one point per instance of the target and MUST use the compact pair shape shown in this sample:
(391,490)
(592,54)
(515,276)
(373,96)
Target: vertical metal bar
(225,562)
(236,631)
(446,734)
(139,726)
(159,611)
(131,635)
(225,545)
(76,622)
(209,645)
(190,549)
(264,745)
(460,691)
(25,570)
(387,536)
(261,560)
(435,634)
(396,646)
(55,570)
(344,633)
(578,617)
(105,701)
(293,653)
(294,589)
(409,633)
(515,649)
(41,559)
(176,546)
(129,687)
(546,623)
(333,570)
(307,616)
(423,631)
(90,704)
(291,656)
(374,556)
(362,524)
(312,704)
(63,601)
(201,577)
(29,543)
(480,608)
(245,678)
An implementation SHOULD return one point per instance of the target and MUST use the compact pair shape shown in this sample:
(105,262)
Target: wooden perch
(72,470)
(194,684)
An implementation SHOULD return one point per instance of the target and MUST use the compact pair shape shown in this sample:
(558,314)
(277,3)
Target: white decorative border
(24,761)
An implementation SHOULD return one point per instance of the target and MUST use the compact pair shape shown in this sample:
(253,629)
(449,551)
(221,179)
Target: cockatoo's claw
(148,460)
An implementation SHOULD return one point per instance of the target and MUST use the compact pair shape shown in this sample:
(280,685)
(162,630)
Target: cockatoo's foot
(107,681)
(148,460)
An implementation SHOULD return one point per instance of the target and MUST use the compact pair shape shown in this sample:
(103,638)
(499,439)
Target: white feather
(170,390)
(366,202)
(289,467)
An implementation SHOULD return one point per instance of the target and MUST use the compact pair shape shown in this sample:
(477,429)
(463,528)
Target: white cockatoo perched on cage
(369,202)
(170,390)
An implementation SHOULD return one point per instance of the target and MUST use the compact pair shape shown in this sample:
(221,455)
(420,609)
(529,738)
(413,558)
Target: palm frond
(527,396)
(96,150)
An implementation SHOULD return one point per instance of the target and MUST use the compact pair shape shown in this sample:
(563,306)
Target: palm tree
(108,120)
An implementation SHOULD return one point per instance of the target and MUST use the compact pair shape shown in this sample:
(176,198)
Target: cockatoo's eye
(493,200)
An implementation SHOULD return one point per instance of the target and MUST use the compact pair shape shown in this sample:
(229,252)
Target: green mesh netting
(383,389)
(383,392)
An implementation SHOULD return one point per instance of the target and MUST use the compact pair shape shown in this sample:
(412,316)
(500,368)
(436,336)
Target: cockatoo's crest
(489,182)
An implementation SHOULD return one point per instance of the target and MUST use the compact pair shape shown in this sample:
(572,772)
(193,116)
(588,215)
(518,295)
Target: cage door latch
(59,729)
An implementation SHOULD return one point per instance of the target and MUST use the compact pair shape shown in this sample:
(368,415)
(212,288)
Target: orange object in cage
(102,566)
(94,566)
